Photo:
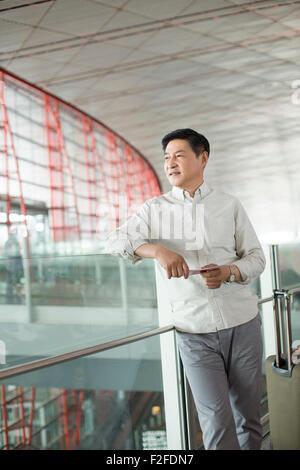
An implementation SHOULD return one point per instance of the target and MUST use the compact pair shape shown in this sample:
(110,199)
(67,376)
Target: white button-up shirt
(227,237)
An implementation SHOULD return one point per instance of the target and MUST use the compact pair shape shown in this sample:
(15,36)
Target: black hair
(197,141)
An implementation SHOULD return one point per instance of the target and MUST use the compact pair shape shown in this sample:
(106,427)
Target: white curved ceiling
(226,68)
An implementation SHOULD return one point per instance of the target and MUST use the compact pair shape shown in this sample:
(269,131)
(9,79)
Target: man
(14,266)
(215,314)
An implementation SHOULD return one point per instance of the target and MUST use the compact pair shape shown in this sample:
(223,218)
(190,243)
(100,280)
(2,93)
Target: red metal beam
(6,143)
(79,112)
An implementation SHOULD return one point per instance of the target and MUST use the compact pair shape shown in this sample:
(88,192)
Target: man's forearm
(147,250)
(174,264)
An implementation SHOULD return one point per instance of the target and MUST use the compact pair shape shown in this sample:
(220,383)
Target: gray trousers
(224,370)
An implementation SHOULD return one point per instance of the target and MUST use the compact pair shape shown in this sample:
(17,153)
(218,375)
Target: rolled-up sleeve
(130,236)
(251,262)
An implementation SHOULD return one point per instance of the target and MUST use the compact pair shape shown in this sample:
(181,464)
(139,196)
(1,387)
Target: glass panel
(108,400)
(53,305)
(289,263)
(255,287)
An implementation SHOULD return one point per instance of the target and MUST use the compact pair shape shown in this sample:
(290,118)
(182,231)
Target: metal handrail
(266,299)
(41,363)
(293,291)
(289,292)
(50,361)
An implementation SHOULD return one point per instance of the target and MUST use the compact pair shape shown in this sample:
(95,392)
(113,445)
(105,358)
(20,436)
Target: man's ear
(204,157)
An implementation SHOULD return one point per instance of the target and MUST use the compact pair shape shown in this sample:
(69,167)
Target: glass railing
(52,305)
(98,313)
(282,282)
(288,265)
(109,400)
(112,399)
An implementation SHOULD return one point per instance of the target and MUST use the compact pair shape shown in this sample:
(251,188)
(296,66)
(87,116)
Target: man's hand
(214,279)
(172,262)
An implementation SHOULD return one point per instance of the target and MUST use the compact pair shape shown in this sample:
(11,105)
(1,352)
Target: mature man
(215,313)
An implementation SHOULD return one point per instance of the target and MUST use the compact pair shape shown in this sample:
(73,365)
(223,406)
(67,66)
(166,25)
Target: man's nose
(172,162)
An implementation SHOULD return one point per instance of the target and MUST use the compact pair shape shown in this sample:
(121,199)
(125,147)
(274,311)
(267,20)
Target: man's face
(182,167)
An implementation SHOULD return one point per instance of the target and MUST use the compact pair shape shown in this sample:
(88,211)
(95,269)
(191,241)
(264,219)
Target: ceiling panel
(223,67)
(157,9)
(27,16)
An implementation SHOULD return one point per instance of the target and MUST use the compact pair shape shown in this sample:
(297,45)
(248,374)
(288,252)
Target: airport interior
(88,88)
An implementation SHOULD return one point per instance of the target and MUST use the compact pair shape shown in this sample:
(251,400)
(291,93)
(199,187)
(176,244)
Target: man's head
(186,153)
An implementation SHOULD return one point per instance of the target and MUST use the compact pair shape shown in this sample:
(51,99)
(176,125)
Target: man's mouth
(174,173)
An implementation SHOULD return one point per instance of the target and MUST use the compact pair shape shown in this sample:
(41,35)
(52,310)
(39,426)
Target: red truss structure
(52,153)
(19,409)
(72,413)
(61,178)
(17,429)
(9,163)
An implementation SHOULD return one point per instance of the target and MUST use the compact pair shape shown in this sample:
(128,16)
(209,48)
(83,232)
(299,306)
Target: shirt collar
(203,190)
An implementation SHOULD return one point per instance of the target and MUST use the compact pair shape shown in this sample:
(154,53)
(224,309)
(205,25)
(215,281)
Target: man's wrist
(233,269)
(227,272)
(156,250)
(232,273)
(238,276)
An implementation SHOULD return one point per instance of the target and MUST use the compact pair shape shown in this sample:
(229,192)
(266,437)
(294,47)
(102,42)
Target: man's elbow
(261,261)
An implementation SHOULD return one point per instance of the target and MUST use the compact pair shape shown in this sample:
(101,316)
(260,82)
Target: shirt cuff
(135,244)
(246,279)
